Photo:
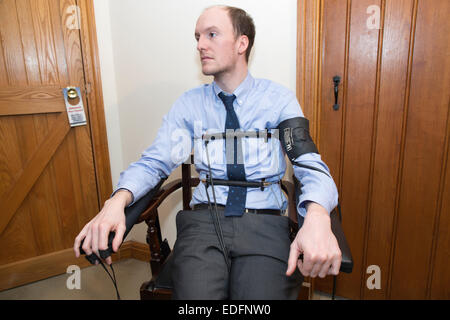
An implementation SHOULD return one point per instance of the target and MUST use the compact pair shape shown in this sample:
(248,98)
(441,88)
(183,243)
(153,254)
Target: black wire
(218,231)
(334,288)
(112,279)
(215,215)
(310,167)
(115,281)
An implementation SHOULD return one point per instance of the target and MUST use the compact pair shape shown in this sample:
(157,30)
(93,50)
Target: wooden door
(388,144)
(48,184)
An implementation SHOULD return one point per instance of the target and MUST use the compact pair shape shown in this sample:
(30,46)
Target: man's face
(216,41)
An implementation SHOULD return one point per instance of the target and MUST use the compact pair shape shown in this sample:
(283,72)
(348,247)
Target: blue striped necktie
(235,169)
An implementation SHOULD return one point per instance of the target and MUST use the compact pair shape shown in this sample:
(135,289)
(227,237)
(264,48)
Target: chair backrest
(187,183)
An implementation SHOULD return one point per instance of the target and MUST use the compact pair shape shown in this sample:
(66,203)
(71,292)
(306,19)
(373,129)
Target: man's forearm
(316,186)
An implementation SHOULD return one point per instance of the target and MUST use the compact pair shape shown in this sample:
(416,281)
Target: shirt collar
(241,91)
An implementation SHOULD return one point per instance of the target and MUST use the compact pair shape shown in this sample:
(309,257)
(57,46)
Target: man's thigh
(260,254)
(262,278)
(199,268)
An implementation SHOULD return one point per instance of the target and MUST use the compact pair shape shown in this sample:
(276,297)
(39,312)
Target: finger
(325,269)
(76,244)
(316,268)
(335,266)
(293,258)
(78,239)
(103,236)
(118,238)
(95,232)
(87,244)
(108,260)
(307,265)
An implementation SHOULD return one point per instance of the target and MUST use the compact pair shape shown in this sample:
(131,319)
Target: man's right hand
(111,218)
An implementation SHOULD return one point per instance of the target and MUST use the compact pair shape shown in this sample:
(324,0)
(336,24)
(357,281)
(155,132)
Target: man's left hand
(321,253)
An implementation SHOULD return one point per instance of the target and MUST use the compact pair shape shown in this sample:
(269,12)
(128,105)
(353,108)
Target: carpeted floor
(95,284)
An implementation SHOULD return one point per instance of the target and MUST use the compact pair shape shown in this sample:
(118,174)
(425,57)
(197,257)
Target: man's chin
(210,71)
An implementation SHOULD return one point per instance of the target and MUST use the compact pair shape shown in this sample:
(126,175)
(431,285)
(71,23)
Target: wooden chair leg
(148,292)
(153,244)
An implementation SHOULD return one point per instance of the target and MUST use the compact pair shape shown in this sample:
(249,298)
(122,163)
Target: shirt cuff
(314,197)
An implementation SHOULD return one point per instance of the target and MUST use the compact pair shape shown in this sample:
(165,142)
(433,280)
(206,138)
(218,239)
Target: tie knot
(227,100)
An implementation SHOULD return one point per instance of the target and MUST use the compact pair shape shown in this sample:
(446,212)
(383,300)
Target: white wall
(110,97)
(148,59)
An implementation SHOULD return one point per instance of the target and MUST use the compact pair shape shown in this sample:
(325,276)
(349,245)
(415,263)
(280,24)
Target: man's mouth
(206,58)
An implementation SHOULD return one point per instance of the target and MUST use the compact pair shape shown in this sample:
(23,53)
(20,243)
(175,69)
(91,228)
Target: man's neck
(229,81)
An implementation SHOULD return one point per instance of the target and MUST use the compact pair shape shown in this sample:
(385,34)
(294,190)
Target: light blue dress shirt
(260,104)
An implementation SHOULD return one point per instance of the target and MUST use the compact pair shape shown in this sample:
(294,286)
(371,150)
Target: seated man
(247,253)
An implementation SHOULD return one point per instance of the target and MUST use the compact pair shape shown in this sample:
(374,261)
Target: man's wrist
(315,208)
(123,196)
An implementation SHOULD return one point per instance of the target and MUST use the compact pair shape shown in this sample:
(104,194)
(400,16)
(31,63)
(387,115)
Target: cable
(334,288)
(310,167)
(113,279)
(214,214)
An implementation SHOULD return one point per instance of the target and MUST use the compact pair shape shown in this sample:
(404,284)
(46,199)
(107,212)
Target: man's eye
(212,34)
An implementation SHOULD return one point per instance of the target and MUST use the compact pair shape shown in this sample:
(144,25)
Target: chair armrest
(336,227)
(133,212)
(157,199)
(162,194)
(289,188)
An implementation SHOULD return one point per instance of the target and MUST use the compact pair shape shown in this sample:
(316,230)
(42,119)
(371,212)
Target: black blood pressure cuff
(295,138)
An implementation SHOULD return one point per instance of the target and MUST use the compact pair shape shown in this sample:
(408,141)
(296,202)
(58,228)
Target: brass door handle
(72,93)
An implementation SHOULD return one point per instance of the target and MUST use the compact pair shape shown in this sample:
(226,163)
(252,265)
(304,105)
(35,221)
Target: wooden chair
(160,286)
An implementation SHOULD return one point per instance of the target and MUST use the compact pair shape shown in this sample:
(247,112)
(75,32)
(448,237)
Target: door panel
(387,145)
(334,64)
(393,87)
(440,277)
(48,188)
(358,127)
(423,163)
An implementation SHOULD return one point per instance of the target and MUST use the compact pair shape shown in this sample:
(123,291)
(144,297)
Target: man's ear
(243,44)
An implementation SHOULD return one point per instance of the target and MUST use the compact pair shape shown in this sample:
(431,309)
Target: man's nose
(201,44)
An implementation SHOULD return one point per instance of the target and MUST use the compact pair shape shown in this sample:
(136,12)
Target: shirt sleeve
(315,186)
(172,147)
